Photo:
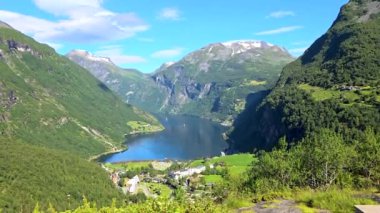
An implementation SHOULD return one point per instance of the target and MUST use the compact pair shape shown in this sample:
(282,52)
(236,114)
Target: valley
(209,124)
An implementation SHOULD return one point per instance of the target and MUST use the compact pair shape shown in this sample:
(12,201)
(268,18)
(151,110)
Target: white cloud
(172,14)
(279,30)
(79,21)
(168,53)
(115,53)
(69,7)
(281,14)
(298,51)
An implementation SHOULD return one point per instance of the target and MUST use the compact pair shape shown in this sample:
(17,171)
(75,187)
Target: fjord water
(184,138)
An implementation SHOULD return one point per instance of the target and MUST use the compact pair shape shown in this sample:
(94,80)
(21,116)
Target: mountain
(334,85)
(47,100)
(213,82)
(53,114)
(131,85)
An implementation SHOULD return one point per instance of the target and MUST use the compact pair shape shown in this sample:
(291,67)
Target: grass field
(321,94)
(160,190)
(234,160)
(128,165)
(143,127)
(333,199)
(236,164)
(213,178)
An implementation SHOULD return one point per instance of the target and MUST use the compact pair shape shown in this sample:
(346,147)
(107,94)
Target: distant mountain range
(212,82)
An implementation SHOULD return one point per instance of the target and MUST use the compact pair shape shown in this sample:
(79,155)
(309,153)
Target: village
(163,178)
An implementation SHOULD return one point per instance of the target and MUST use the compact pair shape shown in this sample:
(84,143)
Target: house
(349,88)
(133,184)
(115,178)
(187,172)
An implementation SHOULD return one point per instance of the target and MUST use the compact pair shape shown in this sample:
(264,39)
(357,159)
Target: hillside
(334,85)
(31,175)
(49,101)
(132,86)
(214,81)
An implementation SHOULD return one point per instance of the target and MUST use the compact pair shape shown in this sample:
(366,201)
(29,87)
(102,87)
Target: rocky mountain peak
(89,56)
(241,46)
(247,44)
(248,49)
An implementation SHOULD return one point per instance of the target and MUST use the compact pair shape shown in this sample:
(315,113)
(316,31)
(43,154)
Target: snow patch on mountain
(90,56)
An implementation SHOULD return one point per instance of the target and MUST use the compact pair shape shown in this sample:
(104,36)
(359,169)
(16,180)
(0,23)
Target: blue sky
(144,34)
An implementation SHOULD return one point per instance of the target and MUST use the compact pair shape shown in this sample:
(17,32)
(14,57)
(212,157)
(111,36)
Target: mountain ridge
(333,85)
(162,94)
(50,101)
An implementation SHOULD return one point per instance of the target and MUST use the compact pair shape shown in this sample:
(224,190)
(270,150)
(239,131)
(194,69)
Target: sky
(144,34)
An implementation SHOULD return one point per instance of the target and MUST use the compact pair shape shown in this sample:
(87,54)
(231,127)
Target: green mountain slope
(214,81)
(334,85)
(132,86)
(47,100)
(29,174)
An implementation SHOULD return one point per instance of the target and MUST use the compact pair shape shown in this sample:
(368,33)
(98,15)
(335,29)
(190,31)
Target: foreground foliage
(319,161)
(149,206)
(30,174)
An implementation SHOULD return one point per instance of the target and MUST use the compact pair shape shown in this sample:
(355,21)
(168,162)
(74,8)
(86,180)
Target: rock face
(214,81)
(334,85)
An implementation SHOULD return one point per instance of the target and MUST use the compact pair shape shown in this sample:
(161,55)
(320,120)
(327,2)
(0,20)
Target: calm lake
(184,138)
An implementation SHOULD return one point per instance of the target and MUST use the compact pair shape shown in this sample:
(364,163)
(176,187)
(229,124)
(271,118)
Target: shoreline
(97,158)
(157,160)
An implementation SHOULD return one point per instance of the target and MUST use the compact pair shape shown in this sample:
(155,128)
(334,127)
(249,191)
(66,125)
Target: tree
(368,158)
(325,157)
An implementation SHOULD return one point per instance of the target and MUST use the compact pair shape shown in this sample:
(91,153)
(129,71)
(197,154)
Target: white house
(132,184)
(187,172)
